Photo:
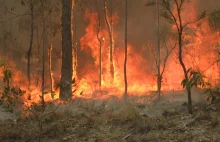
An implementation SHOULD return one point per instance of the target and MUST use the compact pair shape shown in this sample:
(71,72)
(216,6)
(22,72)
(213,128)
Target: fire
(199,52)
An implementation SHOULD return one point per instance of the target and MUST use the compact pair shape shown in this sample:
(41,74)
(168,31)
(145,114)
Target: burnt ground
(114,121)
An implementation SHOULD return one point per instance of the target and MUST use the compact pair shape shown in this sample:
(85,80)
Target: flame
(199,52)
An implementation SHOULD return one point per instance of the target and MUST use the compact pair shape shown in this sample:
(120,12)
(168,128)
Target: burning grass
(96,115)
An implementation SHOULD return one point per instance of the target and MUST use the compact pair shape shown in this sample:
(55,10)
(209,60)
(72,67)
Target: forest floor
(114,121)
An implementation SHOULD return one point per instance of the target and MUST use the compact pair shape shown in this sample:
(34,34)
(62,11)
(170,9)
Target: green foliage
(214,19)
(213,94)
(195,78)
(10,96)
(166,4)
(202,15)
(2,63)
(168,17)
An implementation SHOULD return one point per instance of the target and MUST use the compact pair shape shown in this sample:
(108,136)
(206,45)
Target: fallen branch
(128,135)
(191,121)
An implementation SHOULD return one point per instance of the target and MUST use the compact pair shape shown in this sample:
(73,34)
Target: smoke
(142,30)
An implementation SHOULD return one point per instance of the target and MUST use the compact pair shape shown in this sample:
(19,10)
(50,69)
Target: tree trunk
(50,68)
(30,49)
(100,46)
(186,77)
(180,38)
(185,73)
(50,62)
(67,67)
(158,54)
(125,60)
(75,41)
(111,40)
(43,56)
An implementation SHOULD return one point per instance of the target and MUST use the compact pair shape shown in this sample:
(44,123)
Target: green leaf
(203,15)
(2,62)
(167,16)
(183,83)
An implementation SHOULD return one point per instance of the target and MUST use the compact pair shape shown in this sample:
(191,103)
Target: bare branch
(4,22)
(155,58)
(167,55)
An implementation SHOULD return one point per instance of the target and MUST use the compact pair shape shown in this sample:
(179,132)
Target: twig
(191,121)
(50,112)
(128,135)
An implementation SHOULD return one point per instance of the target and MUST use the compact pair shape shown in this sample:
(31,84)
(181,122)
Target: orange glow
(199,52)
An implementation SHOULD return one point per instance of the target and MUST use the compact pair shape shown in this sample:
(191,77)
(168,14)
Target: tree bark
(50,62)
(74,41)
(180,38)
(159,78)
(67,67)
(179,25)
(125,60)
(100,46)
(43,56)
(30,48)
(110,38)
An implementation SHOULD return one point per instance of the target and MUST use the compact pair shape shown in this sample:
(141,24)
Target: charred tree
(67,66)
(50,69)
(126,50)
(50,61)
(74,40)
(109,27)
(159,77)
(44,36)
(30,47)
(100,45)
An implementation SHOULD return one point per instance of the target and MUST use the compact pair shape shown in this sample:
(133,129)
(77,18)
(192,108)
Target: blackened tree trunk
(50,61)
(100,44)
(44,36)
(126,50)
(67,67)
(159,77)
(30,48)
(74,40)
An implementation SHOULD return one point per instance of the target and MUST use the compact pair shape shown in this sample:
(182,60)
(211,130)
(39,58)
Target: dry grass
(102,121)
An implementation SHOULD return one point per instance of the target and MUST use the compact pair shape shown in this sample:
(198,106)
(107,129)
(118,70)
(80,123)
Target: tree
(43,56)
(162,63)
(30,46)
(159,77)
(97,3)
(176,19)
(126,50)
(74,25)
(66,69)
(110,32)
(50,59)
